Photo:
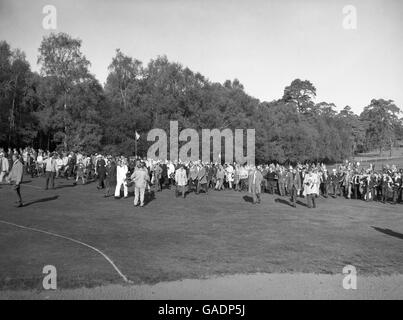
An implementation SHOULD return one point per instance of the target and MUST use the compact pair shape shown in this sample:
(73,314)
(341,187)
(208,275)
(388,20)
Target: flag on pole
(135,143)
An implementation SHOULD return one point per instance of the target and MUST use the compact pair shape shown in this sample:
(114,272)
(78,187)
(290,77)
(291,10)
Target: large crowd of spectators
(115,174)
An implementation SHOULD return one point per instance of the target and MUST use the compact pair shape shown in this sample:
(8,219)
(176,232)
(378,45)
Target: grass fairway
(197,237)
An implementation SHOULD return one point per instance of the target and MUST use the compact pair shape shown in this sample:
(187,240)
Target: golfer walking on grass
(15,177)
(140,177)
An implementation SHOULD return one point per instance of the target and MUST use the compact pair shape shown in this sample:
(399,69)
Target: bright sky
(264,43)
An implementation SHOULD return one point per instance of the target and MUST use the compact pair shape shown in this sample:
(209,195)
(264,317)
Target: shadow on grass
(302,203)
(283,201)
(65,186)
(41,200)
(389,232)
(248,199)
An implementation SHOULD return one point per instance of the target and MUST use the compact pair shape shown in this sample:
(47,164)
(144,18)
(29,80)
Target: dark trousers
(396,194)
(326,187)
(293,194)
(209,183)
(243,184)
(310,199)
(171,182)
(384,193)
(110,186)
(69,171)
(202,186)
(50,176)
(192,184)
(180,189)
(17,189)
(158,184)
(356,190)
(101,181)
(375,194)
(271,186)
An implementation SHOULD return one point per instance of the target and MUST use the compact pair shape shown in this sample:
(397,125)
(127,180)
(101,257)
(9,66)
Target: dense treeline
(65,107)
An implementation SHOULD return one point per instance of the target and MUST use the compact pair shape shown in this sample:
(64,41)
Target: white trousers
(118,186)
(139,193)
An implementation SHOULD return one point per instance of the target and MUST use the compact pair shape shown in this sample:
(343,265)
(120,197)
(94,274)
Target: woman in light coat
(181,180)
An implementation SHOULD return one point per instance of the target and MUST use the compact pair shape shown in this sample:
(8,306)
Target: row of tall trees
(64,106)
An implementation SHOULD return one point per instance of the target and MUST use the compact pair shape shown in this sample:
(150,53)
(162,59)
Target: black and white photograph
(200,150)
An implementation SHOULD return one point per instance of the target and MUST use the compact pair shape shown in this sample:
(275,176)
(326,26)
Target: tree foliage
(65,107)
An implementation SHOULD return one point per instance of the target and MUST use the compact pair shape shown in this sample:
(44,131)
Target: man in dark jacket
(293,184)
(101,171)
(110,178)
(272,178)
(164,175)
(71,164)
